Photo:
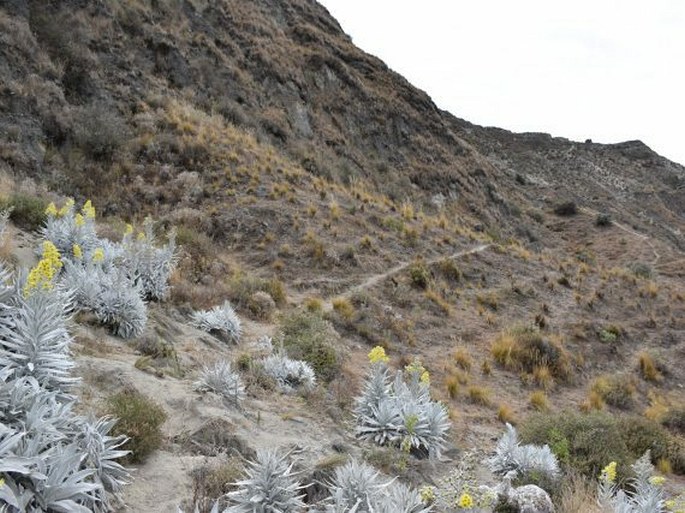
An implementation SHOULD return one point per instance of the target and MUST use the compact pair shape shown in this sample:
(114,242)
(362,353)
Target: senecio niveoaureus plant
(221,379)
(400,412)
(51,459)
(110,279)
(221,320)
(523,462)
(268,487)
(358,488)
(647,492)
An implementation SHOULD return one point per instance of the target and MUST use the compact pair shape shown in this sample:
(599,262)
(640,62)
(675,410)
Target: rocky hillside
(333,204)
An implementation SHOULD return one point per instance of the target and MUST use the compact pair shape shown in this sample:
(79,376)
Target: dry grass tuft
(479,395)
(539,401)
(648,367)
(344,308)
(462,358)
(526,349)
(616,390)
(506,414)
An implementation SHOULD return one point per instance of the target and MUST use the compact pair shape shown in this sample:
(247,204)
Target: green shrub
(587,442)
(99,130)
(420,275)
(140,418)
(603,219)
(244,286)
(642,270)
(307,336)
(675,419)
(567,208)
(28,212)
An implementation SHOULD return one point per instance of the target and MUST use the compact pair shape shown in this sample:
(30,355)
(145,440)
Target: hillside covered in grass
(274,206)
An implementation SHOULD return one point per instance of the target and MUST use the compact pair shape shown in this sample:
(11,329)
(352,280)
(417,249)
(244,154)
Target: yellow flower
(2,482)
(42,274)
(465,501)
(427,494)
(609,473)
(129,229)
(66,208)
(88,210)
(415,367)
(426,378)
(141,236)
(377,354)
(98,255)
(657,480)
(78,252)
(78,219)
(51,210)
(51,254)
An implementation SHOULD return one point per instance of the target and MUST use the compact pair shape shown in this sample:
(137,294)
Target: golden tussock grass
(506,414)
(462,358)
(479,395)
(648,367)
(539,401)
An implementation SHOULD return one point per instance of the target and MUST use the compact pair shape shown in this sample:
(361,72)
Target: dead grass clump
(313,304)
(577,494)
(452,386)
(242,286)
(439,301)
(616,390)
(648,367)
(593,401)
(462,358)
(525,349)
(344,307)
(449,270)
(505,414)
(539,401)
(479,395)
(210,483)
(489,299)
(542,376)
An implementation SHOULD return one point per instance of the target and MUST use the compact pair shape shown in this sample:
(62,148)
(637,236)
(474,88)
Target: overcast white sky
(608,70)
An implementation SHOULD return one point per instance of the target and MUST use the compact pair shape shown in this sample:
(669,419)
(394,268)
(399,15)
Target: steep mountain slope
(304,175)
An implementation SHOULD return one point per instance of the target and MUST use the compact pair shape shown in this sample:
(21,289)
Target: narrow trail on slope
(620,226)
(377,278)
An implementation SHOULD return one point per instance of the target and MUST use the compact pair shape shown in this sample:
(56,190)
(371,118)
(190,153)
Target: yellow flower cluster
(88,210)
(609,473)
(141,236)
(657,480)
(427,494)
(78,220)
(66,208)
(42,274)
(98,255)
(51,210)
(129,229)
(425,378)
(78,252)
(377,354)
(465,501)
(675,505)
